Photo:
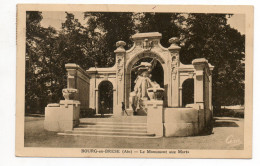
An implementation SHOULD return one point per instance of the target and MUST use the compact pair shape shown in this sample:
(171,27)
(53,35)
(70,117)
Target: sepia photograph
(141,81)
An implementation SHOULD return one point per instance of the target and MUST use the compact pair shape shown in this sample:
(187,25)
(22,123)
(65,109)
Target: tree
(47,52)
(39,44)
(201,36)
(168,24)
(113,27)
(208,36)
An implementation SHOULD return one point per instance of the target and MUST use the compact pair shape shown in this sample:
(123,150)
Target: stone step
(108,133)
(112,130)
(113,123)
(110,126)
(121,119)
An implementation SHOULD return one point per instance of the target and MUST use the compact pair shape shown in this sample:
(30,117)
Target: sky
(238,22)
(55,19)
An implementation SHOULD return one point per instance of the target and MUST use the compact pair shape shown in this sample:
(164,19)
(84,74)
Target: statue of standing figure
(142,83)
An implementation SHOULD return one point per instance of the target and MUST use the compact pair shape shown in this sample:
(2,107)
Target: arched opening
(188,92)
(105,100)
(157,74)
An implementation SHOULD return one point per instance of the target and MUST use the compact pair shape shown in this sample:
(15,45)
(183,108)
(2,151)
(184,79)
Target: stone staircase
(111,129)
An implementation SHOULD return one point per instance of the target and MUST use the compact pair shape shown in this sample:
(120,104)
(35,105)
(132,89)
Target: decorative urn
(155,93)
(69,93)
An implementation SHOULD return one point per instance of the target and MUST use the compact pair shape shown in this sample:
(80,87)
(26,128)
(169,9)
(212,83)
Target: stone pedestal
(130,112)
(181,122)
(143,107)
(155,117)
(63,116)
(117,111)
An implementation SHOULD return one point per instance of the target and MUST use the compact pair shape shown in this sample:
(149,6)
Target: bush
(238,113)
(87,113)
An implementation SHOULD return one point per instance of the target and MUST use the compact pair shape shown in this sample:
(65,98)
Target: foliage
(201,35)
(113,27)
(39,43)
(205,36)
(168,24)
(208,36)
(48,50)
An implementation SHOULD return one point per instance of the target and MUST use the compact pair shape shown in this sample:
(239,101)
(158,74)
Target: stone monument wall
(79,79)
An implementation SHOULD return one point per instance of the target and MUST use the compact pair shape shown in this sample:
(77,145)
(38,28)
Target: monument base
(63,116)
(183,122)
(129,112)
(174,122)
(155,117)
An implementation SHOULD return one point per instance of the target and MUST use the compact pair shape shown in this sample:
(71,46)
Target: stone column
(210,87)
(114,99)
(199,65)
(173,96)
(120,76)
(127,89)
(210,92)
(180,96)
(72,78)
(96,100)
(92,92)
(77,78)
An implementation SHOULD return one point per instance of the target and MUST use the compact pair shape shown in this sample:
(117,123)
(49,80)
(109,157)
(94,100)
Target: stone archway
(157,72)
(105,90)
(137,58)
(188,92)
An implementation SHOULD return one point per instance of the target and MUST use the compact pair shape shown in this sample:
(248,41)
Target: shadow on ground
(36,136)
(225,124)
(99,116)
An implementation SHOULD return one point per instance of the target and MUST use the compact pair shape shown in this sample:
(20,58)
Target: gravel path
(227,134)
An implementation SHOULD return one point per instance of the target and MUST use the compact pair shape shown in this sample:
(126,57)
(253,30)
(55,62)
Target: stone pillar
(210,120)
(210,88)
(210,92)
(72,78)
(77,78)
(155,116)
(120,76)
(92,98)
(199,65)
(114,99)
(127,90)
(96,100)
(180,96)
(63,116)
(199,91)
(173,99)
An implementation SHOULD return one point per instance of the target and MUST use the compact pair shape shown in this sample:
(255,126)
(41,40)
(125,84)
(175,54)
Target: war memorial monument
(166,113)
